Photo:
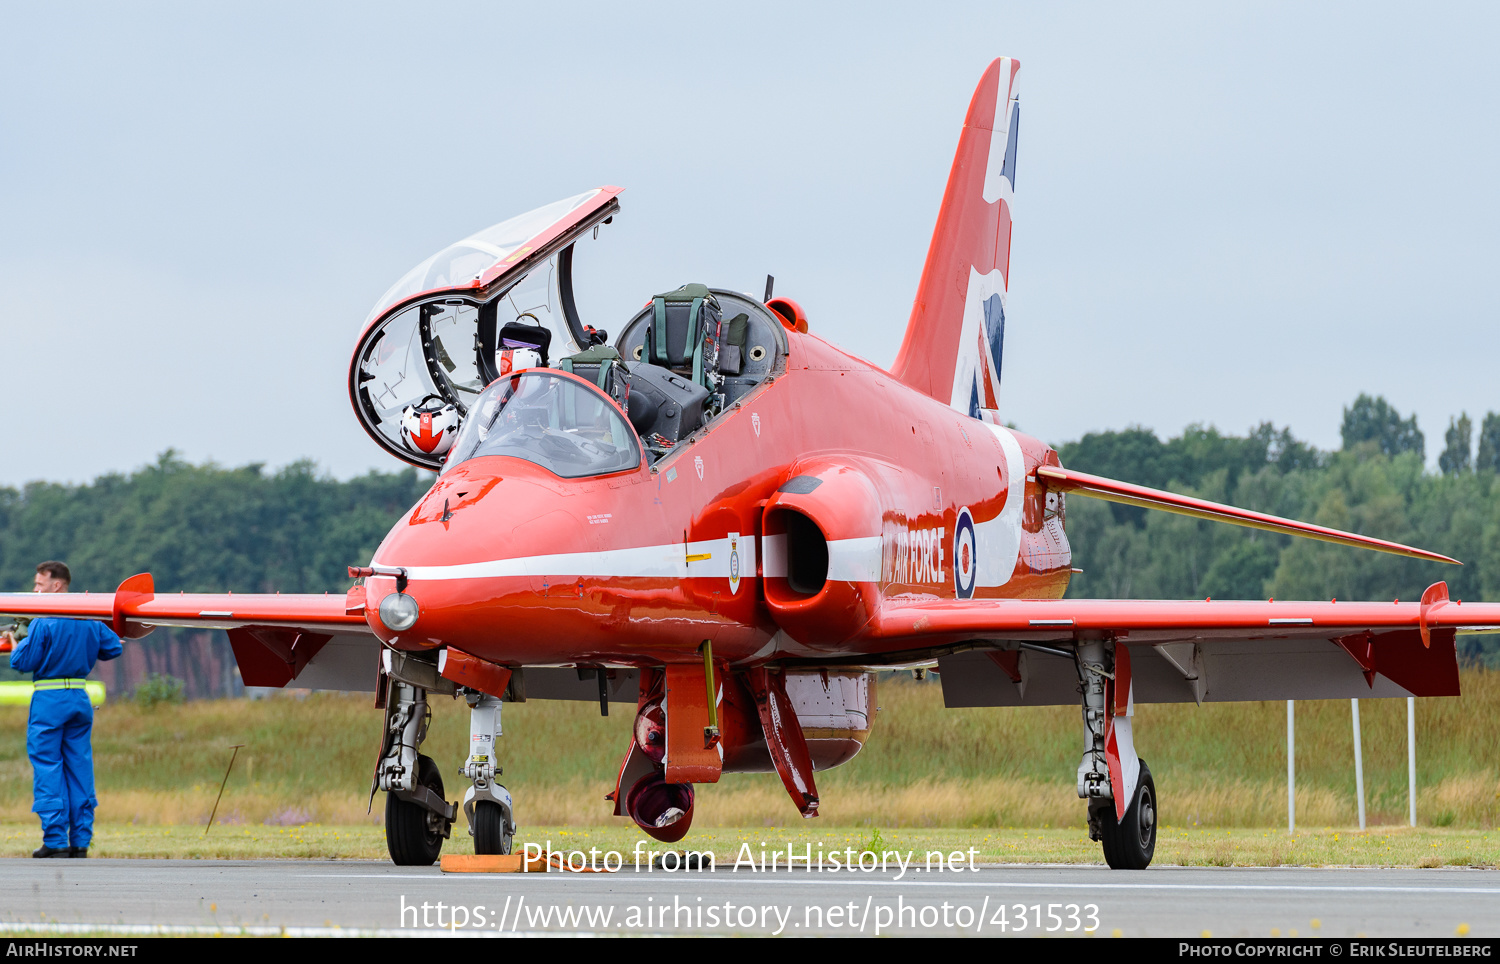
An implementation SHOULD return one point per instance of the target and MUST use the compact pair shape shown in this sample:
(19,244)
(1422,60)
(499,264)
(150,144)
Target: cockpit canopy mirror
(498,301)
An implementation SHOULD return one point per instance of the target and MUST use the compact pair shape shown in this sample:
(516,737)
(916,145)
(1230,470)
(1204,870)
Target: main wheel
(1130,844)
(490,836)
(414,834)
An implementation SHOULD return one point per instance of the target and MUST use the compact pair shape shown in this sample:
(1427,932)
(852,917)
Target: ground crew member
(59,653)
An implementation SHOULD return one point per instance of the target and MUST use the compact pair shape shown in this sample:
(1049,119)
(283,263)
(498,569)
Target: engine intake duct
(806,554)
(822,553)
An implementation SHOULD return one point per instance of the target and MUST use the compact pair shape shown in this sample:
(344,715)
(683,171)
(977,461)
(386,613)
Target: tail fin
(952,349)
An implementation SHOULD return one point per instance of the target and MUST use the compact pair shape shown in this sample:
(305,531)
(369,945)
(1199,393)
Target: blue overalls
(59,653)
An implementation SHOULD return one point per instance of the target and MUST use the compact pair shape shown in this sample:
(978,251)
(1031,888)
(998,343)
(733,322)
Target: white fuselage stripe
(849,560)
(679,560)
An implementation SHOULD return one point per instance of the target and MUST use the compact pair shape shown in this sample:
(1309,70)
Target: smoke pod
(663,810)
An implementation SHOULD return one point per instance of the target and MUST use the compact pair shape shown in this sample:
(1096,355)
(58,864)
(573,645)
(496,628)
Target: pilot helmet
(429,426)
(515,359)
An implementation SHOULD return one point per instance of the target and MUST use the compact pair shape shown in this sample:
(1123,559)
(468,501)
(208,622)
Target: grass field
(1219,766)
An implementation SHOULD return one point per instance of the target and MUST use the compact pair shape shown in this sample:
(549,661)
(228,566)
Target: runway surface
(63,896)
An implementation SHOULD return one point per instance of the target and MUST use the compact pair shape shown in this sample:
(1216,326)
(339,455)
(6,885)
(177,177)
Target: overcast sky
(1224,214)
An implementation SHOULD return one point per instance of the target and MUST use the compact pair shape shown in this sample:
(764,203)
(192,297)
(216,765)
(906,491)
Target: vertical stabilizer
(953,343)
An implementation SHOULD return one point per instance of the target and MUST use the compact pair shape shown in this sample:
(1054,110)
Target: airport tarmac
(64,897)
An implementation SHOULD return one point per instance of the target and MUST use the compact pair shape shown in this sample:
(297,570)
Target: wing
(1018,652)
(1125,493)
(320,641)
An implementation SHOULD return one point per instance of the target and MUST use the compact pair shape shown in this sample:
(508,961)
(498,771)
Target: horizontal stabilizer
(1098,487)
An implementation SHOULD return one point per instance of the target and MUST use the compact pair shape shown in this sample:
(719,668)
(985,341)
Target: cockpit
(461,358)
(553,421)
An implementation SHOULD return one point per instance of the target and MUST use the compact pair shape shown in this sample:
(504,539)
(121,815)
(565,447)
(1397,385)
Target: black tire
(1131,843)
(414,834)
(490,830)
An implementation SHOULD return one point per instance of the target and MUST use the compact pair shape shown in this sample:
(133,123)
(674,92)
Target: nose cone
(479,509)
(464,548)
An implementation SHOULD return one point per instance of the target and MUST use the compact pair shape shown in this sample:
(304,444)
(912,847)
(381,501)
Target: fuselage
(906,498)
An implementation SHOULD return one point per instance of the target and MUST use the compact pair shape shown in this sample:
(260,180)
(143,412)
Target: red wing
(1216,651)
(1110,490)
(321,641)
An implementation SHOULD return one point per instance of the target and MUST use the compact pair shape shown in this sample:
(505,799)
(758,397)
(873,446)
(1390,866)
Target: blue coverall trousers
(62,763)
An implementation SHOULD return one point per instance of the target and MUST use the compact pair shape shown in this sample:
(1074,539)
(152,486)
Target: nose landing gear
(487,804)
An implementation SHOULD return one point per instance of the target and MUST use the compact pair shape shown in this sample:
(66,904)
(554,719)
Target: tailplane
(953,344)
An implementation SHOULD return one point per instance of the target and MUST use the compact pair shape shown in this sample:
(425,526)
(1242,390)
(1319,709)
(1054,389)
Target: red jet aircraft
(730,523)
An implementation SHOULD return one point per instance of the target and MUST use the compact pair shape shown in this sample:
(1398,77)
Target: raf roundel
(965,551)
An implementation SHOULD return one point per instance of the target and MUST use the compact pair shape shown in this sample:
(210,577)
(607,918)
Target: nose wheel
(492,830)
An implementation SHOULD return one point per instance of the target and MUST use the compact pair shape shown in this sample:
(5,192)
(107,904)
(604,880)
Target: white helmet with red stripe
(429,426)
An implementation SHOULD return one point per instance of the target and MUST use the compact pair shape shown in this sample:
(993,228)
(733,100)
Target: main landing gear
(1116,783)
(418,817)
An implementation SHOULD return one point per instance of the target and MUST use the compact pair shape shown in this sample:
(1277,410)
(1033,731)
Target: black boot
(78,851)
(46,851)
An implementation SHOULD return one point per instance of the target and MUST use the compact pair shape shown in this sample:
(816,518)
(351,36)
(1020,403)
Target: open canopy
(437,336)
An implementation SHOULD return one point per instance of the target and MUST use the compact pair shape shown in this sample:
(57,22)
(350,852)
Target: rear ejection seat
(687,334)
(715,347)
(683,324)
(669,388)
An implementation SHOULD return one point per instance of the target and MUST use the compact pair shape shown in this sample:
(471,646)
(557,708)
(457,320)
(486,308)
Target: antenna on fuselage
(770,283)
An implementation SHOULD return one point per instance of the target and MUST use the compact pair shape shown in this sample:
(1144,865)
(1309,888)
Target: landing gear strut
(417,817)
(487,804)
(1116,783)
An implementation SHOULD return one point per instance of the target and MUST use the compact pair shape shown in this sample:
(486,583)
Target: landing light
(398,611)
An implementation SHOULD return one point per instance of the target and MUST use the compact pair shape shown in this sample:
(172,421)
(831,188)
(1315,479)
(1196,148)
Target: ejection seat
(687,334)
(702,366)
(683,326)
(595,363)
